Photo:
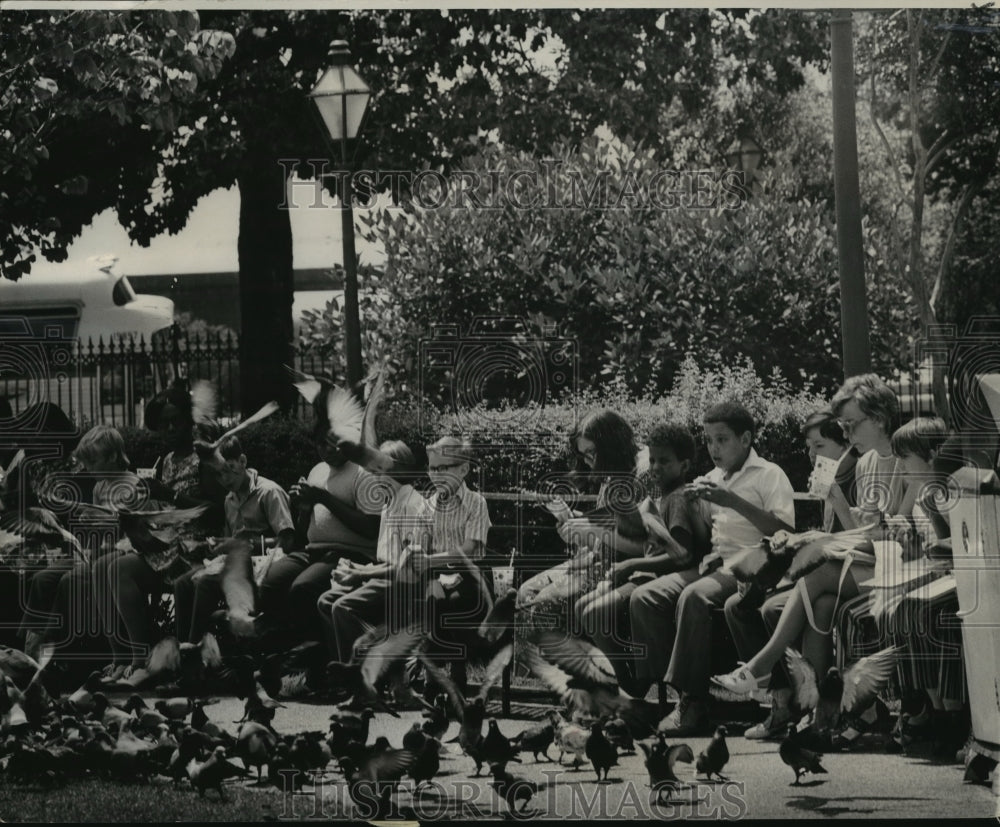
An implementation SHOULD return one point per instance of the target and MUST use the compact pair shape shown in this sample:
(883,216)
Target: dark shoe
(775,726)
(689,717)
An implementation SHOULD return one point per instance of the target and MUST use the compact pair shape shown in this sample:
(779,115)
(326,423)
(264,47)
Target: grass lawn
(96,800)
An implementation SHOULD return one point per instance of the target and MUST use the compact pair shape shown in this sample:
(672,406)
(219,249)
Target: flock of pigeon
(53,738)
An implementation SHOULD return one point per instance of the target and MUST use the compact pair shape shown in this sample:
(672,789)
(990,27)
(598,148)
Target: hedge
(522,447)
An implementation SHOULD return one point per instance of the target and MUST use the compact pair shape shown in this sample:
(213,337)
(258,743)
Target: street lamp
(745,155)
(341,97)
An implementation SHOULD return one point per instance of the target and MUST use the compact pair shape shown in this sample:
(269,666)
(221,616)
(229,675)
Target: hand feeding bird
(715,756)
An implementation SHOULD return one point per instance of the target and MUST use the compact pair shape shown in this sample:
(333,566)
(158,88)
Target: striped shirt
(259,507)
(463,516)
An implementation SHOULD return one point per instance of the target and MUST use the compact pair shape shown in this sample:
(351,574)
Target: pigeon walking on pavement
(715,756)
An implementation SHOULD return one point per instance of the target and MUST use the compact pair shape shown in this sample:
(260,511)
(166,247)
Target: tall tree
(936,74)
(441,80)
(82,93)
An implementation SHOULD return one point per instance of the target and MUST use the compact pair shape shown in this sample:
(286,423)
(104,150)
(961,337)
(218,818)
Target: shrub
(279,447)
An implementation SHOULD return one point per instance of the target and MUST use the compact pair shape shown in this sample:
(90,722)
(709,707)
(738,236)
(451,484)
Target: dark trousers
(123,604)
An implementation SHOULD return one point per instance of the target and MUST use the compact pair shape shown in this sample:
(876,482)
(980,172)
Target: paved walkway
(858,785)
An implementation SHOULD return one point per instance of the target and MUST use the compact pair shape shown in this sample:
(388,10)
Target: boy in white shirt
(745,498)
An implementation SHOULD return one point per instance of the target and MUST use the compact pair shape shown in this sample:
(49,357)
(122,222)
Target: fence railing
(112,381)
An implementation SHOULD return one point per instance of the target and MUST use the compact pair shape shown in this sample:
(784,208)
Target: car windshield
(123,292)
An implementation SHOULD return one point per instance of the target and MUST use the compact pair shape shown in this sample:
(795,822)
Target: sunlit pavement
(858,784)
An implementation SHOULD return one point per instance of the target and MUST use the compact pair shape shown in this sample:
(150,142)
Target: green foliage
(112,82)
(658,273)
(279,447)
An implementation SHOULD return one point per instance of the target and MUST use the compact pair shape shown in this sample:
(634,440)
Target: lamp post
(341,97)
(745,155)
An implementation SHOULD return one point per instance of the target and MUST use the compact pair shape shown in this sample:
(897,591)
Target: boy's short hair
(102,441)
(874,397)
(454,447)
(675,437)
(229,448)
(733,414)
(920,437)
(827,424)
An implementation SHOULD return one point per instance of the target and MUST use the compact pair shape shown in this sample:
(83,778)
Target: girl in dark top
(124,581)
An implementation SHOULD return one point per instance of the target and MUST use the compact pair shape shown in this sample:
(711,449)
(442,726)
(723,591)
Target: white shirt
(407,516)
(759,482)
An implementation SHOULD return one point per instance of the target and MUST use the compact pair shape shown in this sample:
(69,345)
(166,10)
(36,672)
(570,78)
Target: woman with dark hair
(606,456)
(124,581)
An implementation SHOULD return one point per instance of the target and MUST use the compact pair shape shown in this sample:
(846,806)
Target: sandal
(113,673)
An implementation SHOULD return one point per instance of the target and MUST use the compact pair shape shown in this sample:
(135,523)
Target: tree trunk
(266,288)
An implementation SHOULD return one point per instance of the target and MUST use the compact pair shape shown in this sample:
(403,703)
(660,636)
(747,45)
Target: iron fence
(112,381)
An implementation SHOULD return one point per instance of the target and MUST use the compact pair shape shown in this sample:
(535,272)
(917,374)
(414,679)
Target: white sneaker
(740,681)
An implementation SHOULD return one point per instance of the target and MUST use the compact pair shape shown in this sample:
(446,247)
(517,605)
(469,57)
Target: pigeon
(254,745)
(838,696)
(176,709)
(414,739)
(583,677)
(210,774)
(82,700)
(570,737)
(281,772)
(437,720)
(601,752)
(359,753)
(164,747)
(660,761)
(371,782)
(352,727)
(496,748)
(338,408)
(618,733)
(537,739)
(40,526)
(427,762)
(207,449)
(149,531)
(108,714)
(196,661)
(512,789)
(360,678)
(798,757)
(715,756)
(499,622)
(22,669)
